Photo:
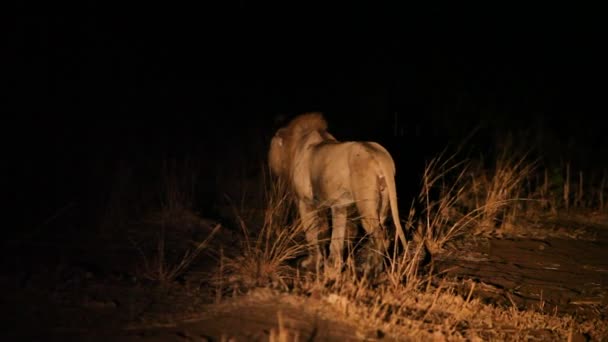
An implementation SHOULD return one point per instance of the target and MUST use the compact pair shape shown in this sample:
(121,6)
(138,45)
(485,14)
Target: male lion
(324,173)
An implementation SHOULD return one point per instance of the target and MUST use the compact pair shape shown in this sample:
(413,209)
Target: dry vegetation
(264,253)
(174,215)
(464,198)
(457,199)
(187,267)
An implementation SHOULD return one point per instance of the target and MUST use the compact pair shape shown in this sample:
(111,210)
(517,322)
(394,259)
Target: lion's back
(337,168)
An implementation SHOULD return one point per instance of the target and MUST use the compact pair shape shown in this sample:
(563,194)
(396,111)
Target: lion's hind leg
(375,248)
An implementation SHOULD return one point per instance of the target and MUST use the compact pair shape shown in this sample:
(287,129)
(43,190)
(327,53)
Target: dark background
(96,88)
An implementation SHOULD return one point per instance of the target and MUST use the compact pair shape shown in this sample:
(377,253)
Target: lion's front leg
(310,222)
(338,232)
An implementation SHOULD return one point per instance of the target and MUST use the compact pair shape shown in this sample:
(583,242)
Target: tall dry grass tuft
(443,184)
(501,189)
(176,248)
(557,189)
(402,267)
(461,196)
(162,269)
(265,253)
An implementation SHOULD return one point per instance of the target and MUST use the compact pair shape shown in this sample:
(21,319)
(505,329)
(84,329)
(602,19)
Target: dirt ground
(559,264)
(87,288)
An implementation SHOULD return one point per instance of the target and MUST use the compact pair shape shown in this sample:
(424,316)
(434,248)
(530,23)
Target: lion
(325,174)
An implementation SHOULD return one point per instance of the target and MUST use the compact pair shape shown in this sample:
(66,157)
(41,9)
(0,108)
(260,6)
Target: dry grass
(174,219)
(444,184)
(563,188)
(282,333)
(432,310)
(503,187)
(457,198)
(438,313)
(164,270)
(264,259)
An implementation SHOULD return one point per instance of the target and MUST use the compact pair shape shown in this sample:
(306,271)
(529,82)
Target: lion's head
(285,141)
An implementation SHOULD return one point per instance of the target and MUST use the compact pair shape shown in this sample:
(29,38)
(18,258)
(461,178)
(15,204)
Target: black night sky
(92,85)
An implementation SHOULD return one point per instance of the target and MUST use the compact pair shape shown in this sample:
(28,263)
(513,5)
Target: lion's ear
(279,136)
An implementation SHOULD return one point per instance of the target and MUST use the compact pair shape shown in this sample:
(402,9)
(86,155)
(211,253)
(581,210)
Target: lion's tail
(392,197)
(387,167)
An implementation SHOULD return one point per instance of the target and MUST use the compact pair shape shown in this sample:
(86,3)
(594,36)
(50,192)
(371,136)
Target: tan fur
(325,173)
